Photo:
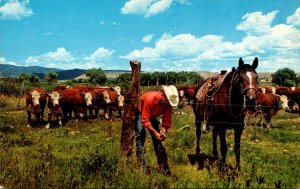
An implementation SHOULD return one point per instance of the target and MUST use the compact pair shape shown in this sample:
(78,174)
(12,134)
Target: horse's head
(248,80)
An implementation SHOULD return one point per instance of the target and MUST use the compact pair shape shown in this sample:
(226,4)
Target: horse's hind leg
(237,145)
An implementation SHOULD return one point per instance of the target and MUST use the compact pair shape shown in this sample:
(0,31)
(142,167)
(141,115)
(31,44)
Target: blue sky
(165,35)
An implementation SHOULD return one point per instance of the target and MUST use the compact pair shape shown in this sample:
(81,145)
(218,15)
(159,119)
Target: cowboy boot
(141,159)
(163,165)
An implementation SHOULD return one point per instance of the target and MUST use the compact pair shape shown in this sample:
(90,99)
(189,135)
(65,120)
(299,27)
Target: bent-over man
(153,105)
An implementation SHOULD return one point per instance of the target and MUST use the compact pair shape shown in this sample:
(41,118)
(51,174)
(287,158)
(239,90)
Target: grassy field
(86,155)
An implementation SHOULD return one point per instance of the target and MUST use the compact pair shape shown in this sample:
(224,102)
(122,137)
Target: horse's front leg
(237,145)
(198,134)
(223,143)
(215,137)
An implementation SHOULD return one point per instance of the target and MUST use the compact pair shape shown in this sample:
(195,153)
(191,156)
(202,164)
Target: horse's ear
(255,63)
(241,63)
(233,69)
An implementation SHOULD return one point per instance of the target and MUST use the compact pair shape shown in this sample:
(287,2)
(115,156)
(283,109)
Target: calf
(36,101)
(269,104)
(54,108)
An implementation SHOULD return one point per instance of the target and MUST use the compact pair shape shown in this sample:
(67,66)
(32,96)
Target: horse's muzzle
(251,104)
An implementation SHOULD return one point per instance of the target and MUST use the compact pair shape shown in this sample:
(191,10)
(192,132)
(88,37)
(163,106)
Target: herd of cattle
(269,100)
(63,101)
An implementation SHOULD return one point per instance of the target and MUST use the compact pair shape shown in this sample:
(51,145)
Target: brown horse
(222,102)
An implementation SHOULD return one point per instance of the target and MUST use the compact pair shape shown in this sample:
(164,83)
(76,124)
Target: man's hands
(162,135)
(159,136)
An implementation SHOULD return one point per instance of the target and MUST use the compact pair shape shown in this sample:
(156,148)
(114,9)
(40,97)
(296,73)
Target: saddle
(209,88)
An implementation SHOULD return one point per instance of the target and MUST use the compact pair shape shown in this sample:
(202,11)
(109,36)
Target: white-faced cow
(54,108)
(36,101)
(268,104)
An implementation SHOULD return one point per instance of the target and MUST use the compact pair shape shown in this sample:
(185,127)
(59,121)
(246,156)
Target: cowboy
(151,106)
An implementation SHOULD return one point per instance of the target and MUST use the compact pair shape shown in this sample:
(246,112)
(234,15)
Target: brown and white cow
(72,100)
(36,101)
(101,100)
(294,96)
(117,104)
(189,92)
(54,108)
(269,104)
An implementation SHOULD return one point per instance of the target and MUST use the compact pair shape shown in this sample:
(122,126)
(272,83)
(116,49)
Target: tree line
(282,77)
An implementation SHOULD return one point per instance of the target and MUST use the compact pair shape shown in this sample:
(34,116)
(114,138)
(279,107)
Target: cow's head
(54,98)
(88,98)
(181,95)
(120,101)
(35,96)
(106,97)
(273,90)
(283,102)
(118,90)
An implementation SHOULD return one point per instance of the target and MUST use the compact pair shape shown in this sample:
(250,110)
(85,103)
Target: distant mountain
(15,71)
(65,74)
(10,71)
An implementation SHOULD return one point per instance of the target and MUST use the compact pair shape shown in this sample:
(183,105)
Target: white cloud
(278,47)
(51,59)
(63,59)
(257,23)
(15,10)
(100,54)
(295,18)
(147,38)
(148,7)
(4,61)
(182,46)
(158,6)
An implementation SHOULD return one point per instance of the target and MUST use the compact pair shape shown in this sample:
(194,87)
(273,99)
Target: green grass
(87,155)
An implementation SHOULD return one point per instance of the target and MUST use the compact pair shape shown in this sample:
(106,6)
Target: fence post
(129,116)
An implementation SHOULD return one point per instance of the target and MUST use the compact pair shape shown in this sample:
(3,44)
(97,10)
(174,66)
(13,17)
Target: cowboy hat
(171,94)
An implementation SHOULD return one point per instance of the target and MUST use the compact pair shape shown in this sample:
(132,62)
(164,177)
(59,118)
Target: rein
(235,79)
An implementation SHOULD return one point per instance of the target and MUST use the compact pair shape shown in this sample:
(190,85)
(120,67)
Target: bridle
(234,80)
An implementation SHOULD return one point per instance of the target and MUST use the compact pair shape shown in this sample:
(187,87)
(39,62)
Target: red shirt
(153,104)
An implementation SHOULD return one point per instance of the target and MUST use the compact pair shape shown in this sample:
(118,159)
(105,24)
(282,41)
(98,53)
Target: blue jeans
(160,150)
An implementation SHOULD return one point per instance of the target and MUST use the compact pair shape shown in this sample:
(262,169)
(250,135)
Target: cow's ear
(241,63)
(255,63)
(82,94)
(47,95)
